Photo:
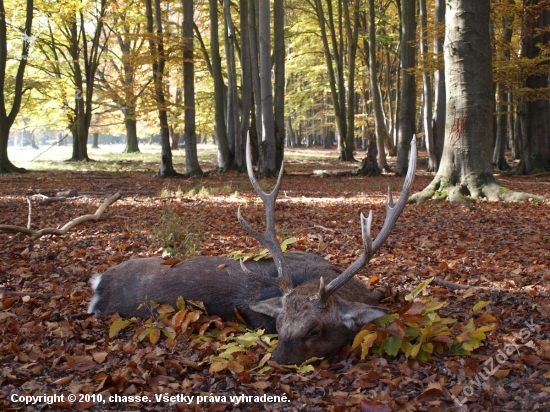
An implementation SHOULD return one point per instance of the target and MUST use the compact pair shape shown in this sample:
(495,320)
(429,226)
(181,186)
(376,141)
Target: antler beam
(269,237)
(370,247)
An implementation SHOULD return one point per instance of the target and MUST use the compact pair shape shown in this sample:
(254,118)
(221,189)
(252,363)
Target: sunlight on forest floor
(112,158)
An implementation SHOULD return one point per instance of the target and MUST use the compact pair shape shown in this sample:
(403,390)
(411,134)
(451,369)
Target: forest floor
(49,345)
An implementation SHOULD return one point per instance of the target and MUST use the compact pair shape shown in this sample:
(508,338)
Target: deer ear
(357,314)
(270,307)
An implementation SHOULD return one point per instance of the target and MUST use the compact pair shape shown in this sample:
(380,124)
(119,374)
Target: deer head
(313,319)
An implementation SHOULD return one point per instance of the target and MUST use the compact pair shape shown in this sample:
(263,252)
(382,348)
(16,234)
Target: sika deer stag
(288,294)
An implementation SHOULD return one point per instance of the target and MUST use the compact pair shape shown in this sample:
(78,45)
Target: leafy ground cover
(49,345)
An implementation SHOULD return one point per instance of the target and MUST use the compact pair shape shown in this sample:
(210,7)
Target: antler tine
(392,214)
(269,237)
(325,292)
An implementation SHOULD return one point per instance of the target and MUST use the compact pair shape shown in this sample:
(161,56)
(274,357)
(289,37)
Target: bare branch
(68,226)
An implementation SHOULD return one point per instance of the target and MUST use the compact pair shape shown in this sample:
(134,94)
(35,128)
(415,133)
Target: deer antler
(392,214)
(269,237)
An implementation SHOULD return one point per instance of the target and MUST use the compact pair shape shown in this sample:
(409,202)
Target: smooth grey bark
(440,105)
(501,103)
(246,76)
(95,140)
(255,69)
(267,150)
(156,49)
(380,129)
(191,159)
(337,40)
(78,127)
(407,110)
(224,157)
(334,57)
(427,91)
(84,58)
(7,119)
(499,150)
(279,63)
(130,124)
(466,165)
(130,96)
(512,127)
(351,21)
(534,112)
(174,137)
(369,164)
(233,125)
(391,120)
(174,123)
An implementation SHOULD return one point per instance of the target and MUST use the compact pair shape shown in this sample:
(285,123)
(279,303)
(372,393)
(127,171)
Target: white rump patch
(95,281)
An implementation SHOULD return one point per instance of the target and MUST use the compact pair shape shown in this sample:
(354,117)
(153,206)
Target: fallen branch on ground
(30,294)
(455,286)
(68,226)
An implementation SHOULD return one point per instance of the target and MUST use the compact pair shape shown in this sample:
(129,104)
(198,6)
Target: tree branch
(458,286)
(68,226)
(31,294)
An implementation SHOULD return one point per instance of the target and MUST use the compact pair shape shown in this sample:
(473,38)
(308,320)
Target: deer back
(218,282)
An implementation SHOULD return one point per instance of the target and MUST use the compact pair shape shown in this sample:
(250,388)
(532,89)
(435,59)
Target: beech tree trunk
(246,77)
(84,58)
(130,124)
(407,110)
(191,160)
(267,150)
(233,125)
(351,21)
(466,165)
(535,112)
(79,129)
(256,125)
(95,140)
(125,97)
(380,129)
(7,119)
(427,91)
(341,33)
(156,48)
(499,159)
(499,151)
(224,157)
(440,106)
(279,63)
(369,164)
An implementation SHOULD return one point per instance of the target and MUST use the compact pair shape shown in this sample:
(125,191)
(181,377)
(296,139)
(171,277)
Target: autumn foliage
(415,358)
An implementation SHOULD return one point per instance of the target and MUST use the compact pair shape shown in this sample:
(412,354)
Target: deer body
(314,309)
(222,286)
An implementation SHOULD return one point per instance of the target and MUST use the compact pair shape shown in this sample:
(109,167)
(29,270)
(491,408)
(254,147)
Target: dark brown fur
(304,330)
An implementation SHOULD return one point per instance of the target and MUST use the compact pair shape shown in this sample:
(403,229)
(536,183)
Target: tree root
(11,168)
(469,191)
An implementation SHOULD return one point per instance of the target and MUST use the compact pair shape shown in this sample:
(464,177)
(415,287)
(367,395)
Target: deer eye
(314,333)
